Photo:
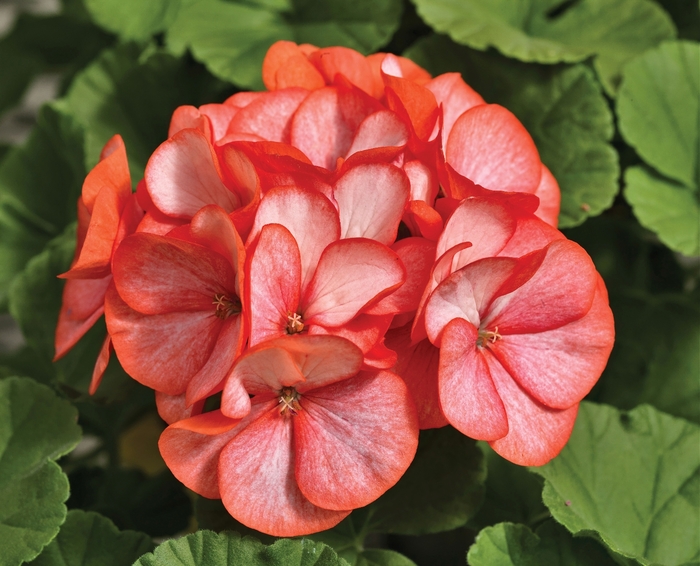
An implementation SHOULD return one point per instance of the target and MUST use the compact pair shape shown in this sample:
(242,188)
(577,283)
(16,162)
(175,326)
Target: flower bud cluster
(309,275)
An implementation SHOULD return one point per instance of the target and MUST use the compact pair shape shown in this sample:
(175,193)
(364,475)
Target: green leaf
(133,20)
(561,107)
(659,107)
(39,186)
(552,31)
(631,479)
(667,208)
(382,557)
(205,548)
(507,544)
(659,115)
(659,366)
(88,539)
(231,38)
(441,490)
(512,494)
(134,94)
(36,427)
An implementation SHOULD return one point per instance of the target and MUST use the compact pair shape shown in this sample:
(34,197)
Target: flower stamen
(487,337)
(225,307)
(289,399)
(294,323)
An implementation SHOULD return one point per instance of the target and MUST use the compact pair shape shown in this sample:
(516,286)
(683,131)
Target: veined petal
(331,61)
(365,331)
(183,175)
(310,218)
(417,365)
(112,173)
(380,129)
(286,65)
(220,116)
(191,449)
(274,282)
(263,370)
(189,117)
(455,96)
(530,234)
(155,274)
(100,365)
(371,201)
(270,116)
(160,351)
(550,198)
(490,146)
(83,303)
(257,481)
(559,367)
(173,408)
(536,433)
(354,439)
(559,292)
(468,396)
(350,276)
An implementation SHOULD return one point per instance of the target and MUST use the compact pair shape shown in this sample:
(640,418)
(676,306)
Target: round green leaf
(659,108)
(633,480)
(31,513)
(667,208)
(561,107)
(35,428)
(552,31)
(206,548)
(88,539)
(442,489)
(231,38)
(508,544)
(133,20)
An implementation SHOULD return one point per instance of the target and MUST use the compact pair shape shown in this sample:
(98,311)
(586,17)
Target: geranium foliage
(366,283)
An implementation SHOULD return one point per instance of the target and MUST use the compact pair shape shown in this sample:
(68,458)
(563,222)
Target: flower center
(289,401)
(487,337)
(225,306)
(294,323)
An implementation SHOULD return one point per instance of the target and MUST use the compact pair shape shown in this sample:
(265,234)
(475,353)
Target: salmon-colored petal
(331,61)
(309,216)
(371,201)
(239,173)
(173,408)
(162,351)
(559,367)
(191,449)
(228,346)
(365,331)
(490,146)
(111,172)
(155,274)
(320,130)
(285,65)
(270,116)
(354,439)
(220,116)
(100,365)
(466,294)
(257,481)
(274,276)
(263,370)
(550,198)
(380,129)
(455,96)
(536,433)
(351,275)
(560,292)
(417,255)
(183,175)
(424,183)
(82,304)
(468,396)
(417,365)
(531,233)
(185,117)
(423,220)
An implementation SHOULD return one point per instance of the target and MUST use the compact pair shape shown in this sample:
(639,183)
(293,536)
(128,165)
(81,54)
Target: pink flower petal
(366,212)
(354,439)
(536,433)
(550,198)
(191,449)
(490,146)
(559,367)
(351,274)
(183,175)
(456,98)
(172,408)
(257,480)
(270,116)
(380,129)
(468,396)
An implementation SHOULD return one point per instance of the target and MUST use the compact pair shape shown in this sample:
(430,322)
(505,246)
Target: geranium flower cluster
(359,252)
